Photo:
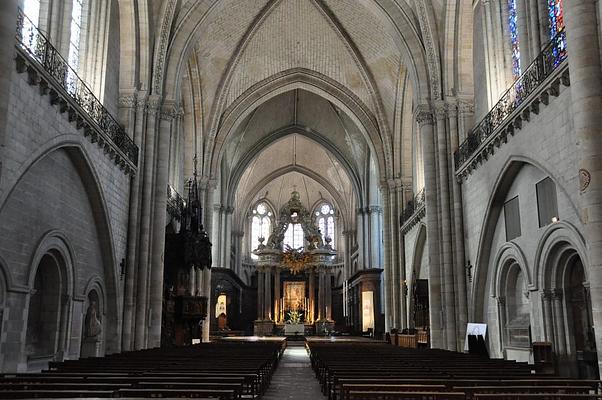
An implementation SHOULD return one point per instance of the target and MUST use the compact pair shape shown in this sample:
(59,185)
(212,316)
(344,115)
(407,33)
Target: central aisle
(294,378)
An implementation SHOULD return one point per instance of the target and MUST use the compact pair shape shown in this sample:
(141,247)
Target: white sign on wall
(474,329)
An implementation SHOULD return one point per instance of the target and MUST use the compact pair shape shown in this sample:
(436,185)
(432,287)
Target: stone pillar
(403,305)
(458,233)
(376,244)
(268,294)
(559,322)
(192,282)
(388,272)
(276,295)
(199,282)
(312,294)
(328,297)
(535,40)
(260,294)
(445,239)
(424,118)
(494,64)
(159,222)
(143,260)
(8,25)
(215,234)
(548,317)
(321,294)
(586,101)
(228,236)
(391,245)
(544,24)
(207,293)
(523,35)
(133,230)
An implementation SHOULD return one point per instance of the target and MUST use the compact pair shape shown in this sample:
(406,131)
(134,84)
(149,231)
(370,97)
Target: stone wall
(57,186)
(543,147)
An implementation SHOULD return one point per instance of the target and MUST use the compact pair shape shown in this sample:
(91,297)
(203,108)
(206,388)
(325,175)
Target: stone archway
(46,316)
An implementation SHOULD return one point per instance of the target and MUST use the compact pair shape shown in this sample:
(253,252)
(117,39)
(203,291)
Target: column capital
(424,115)
(547,294)
(128,100)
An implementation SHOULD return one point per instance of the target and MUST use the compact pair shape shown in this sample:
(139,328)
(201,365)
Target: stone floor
(294,378)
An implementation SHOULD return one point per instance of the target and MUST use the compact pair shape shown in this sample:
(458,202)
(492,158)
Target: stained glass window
(261,224)
(512,28)
(31,10)
(555,16)
(74,42)
(325,222)
(556,20)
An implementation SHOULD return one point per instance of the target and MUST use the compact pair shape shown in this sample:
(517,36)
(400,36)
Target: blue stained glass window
(512,28)
(556,17)
(556,20)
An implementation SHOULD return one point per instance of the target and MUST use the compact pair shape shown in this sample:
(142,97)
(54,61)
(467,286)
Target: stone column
(129,310)
(586,101)
(215,234)
(321,294)
(424,118)
(445,239)
(228,236)
(393,242)
(328,297)
(268,294)
(458,233)
(523,35)
(388,272)
(403,305)
(276,295)
(159,222)
(192,282)
(143,260)
(8,27)
(199,282)
(544,24)
(260,294)
(207,293)
(548,317)
(559,322)
(535,40)
(312,294)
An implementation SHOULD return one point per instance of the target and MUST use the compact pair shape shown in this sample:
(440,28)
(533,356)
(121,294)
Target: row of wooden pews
(380,371)
(225,371)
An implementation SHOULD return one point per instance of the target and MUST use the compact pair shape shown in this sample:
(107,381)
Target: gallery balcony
(534,88)
(47,69)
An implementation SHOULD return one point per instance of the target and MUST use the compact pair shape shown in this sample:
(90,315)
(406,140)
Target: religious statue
(93,326)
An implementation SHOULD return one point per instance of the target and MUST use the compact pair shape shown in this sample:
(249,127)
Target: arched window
(513,30)
(261,225)
(31,10)
(75,39)
(556,17)
(293,237)
(325,221)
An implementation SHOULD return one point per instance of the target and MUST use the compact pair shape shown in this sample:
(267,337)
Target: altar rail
(48,69)
(530,82)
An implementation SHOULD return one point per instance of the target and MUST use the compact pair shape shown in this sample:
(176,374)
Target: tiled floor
(294,378)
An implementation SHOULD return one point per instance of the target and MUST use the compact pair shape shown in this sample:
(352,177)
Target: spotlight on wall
(555,219)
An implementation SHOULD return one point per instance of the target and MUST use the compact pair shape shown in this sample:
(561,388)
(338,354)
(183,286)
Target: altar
(294,284)
(294,329)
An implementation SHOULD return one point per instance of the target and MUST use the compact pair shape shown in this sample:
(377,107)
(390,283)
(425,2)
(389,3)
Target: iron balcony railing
(540,69)
(410,209)
(39,48)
